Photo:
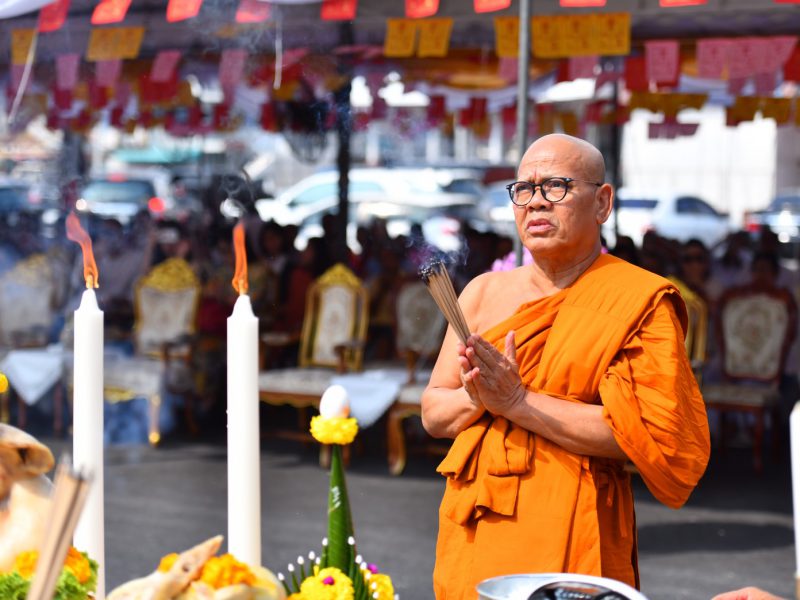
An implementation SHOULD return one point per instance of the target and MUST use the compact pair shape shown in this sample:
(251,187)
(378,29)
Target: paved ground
(736,530)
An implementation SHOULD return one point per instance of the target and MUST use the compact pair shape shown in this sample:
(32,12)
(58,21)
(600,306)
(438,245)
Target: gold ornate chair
(696,340)
(332,342)
(27,300)
(165,308)
(420,330)
(755,328)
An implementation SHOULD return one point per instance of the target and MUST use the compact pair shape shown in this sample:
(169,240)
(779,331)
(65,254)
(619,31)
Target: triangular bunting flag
(434,37)
(419,9)
(180,10)
(252,11)
(338,10)
(668,3)
(483,6)
(52,16)
(110,11)
(67,71)
(576,3)
(164,65)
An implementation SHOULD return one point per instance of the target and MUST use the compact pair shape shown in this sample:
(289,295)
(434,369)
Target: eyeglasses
(554,189)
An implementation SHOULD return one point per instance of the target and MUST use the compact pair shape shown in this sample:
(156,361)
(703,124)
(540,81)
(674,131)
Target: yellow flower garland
(327,584)
(334,430)
(75,562)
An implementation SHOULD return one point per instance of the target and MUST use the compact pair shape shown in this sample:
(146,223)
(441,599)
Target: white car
(400,196)
(672,215)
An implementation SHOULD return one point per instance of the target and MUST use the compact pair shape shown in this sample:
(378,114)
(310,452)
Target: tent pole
(523,77)
(344,123)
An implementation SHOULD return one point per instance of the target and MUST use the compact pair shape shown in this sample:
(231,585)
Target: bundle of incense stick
(69,496)
(439,285)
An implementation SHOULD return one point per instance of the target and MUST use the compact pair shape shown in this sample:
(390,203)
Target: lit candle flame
(240,274)
(77,234)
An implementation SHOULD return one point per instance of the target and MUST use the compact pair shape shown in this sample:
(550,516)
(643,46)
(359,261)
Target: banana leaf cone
(340,553)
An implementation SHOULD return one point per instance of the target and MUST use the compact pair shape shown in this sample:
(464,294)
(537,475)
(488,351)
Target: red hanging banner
(338,10)
(662,58)
(788,2)
(668,3)
(791,70)
(252,11)
(180,10)
(483,6)
(52,16)
(110,11)
(419,9)
(636,74)
(575,3)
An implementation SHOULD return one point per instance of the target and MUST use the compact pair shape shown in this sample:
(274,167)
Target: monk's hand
(468,375)
(493,376)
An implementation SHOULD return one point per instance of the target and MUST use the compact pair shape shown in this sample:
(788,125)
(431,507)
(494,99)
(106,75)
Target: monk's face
(570,229)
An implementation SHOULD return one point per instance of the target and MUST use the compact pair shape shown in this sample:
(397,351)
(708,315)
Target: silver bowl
(520,587)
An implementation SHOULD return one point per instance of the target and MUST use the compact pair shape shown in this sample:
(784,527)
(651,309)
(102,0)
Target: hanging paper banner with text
(107,72)
(663,60)
(562,36)
(53,16)
(419,9)
(577,3)
(668,3)
(338,10)
(108,43)
(712,57)
(21,41)
(434,37)
(401,38)
(252,11)
(180,10)
(164,65)
(67,70)
(506,37)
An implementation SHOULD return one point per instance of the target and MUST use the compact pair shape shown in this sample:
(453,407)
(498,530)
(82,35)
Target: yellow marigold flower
(167,562)
(328,584)
(25,563)
(3,383)
(225,570)
(334,430)
(297,596)
(78,564)
(382,584)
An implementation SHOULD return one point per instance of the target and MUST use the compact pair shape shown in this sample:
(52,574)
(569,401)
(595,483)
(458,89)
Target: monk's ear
(604,202)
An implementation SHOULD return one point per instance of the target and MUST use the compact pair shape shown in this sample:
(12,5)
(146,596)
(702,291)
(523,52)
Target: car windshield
(13,198)
(119,191)
(645,203)
(786,202)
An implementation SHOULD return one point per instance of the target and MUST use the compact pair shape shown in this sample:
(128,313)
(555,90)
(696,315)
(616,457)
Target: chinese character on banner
(164,65)
(611,34)
(110,11)
(667,3)
(108,43)
(106,72)
(663,60)
(419,9)
(180,10)
(338,10)
(434,37)
(547,35)
(52,16)
(506,37)
(401,37)
(483,6)
(67,71)
(252,11)
(575,3)
(746,57)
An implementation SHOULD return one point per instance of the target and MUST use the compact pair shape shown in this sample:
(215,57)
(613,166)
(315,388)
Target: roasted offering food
(198,574)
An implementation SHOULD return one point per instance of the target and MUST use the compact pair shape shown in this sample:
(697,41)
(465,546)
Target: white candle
(244,474)
(794,434)
(87,428)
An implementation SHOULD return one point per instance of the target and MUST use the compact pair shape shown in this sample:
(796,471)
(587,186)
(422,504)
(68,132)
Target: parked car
(671,215)
(782,216)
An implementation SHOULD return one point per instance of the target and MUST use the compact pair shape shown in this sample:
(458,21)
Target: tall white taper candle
(87,429)
(244,478)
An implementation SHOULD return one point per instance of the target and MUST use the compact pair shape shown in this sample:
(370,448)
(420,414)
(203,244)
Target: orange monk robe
(516,502)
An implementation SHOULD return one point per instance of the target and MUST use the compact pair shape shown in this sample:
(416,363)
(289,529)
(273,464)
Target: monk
(579,367)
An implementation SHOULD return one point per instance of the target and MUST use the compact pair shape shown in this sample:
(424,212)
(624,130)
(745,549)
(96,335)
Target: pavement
(736,529)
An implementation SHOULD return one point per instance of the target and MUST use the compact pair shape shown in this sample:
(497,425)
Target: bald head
(581,153)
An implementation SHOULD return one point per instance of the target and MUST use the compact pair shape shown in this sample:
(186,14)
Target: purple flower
(329,580)
(372,568)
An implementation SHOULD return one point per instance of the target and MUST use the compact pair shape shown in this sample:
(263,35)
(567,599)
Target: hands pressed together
(490,378)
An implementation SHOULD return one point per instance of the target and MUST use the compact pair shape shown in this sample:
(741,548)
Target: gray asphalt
(736,529)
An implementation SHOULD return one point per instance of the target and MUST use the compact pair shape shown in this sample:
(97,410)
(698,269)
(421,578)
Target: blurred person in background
(626,249)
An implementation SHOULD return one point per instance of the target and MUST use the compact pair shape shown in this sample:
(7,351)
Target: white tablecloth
(371,392)
(32,372)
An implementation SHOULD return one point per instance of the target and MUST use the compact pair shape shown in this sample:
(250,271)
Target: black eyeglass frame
(533,186)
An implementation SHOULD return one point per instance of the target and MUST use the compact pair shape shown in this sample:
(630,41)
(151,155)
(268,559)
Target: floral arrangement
(339,573)
(77,581)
